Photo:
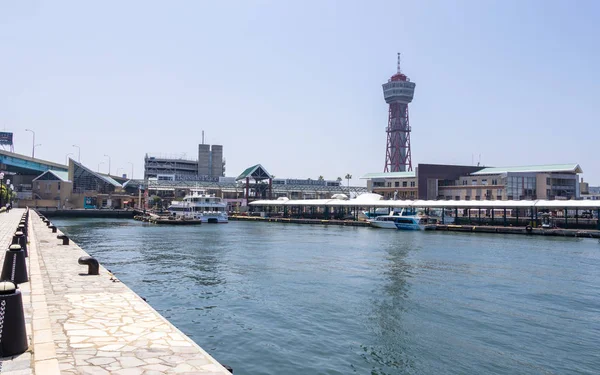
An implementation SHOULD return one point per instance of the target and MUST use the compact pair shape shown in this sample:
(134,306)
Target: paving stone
(89,324)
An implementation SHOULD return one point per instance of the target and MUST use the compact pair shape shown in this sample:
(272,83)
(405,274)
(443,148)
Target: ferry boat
(200,206)
(386,221)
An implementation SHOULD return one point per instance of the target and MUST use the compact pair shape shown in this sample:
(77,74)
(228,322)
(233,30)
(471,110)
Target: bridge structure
(25,165)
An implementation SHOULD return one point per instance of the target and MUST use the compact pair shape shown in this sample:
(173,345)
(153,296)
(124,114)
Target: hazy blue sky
(296,86)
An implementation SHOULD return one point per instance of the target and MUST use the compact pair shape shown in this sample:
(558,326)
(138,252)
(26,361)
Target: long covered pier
(557,213)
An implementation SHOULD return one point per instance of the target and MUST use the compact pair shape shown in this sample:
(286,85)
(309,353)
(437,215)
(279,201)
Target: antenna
(479,161)
(399,71)
(202,136)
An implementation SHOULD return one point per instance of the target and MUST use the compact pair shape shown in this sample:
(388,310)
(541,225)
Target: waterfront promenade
(81,324)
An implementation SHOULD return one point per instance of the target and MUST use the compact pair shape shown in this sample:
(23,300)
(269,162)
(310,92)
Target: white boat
(202,206)
(387,221)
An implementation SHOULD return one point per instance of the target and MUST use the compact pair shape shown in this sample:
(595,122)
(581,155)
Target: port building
(457,182)
(209,165)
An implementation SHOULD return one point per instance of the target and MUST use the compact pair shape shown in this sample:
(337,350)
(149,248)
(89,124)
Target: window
(473,182)
(494,181)
(59,186)
(404,184)
(499,197)
(448,197)
(478,197)
(464,182)
(457,198)
(467,197)
(488,194)
(484,181)
(396,184)
(389,184)
(412,184)
(412,193)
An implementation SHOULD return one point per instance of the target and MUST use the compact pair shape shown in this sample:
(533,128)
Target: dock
(90,324)
(524,230)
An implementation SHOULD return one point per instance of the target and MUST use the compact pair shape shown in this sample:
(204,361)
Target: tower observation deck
(398,92)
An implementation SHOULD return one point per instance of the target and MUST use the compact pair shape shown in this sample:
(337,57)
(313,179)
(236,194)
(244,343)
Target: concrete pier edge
(79,324)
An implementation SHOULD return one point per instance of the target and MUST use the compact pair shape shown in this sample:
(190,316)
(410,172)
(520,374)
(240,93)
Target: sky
(296,85)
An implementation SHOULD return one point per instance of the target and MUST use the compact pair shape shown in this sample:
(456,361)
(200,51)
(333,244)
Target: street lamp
(33,142)
(131,177)
(67,158)
(78,153)
(99,164)
(108,163)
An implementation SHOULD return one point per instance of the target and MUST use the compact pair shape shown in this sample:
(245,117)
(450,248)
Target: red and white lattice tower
(398,92)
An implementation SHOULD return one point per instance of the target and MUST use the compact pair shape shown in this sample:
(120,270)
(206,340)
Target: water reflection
(388,353)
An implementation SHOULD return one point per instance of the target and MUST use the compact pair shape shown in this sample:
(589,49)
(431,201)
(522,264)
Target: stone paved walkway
(94,324)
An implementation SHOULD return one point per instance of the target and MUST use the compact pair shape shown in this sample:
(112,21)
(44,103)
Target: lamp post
(67,158)
(78,153)
(108,163)
(348,177)
(33,143)
(99,164)
(131,177)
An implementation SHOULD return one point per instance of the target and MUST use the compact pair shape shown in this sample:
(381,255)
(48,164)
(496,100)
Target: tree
(321,178)
(348,177)
(339,179)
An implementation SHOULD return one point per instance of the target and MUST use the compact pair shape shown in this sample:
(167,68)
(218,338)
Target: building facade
(209,165)
(455,182)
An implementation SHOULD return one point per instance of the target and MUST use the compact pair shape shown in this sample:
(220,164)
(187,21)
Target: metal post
(598,218)
(566,213)
(479,215)
(517,216)
(469,210)
(456,215)
(492,216)
(576,217)
(504,216)
(531,212)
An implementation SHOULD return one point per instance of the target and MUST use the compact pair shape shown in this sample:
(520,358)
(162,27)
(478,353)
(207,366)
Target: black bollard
(92,264)
(14,268)
(53,227)
(21,240)
(48,223)
(13,336)
(64,238)
(22,228)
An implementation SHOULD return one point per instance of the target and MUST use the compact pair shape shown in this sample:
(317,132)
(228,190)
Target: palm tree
(339,179)
(321,178)
(348,177)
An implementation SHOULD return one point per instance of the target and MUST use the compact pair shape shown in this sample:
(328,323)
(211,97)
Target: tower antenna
(399,71)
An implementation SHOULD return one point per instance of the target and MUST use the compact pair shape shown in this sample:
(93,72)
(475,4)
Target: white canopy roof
(540,203)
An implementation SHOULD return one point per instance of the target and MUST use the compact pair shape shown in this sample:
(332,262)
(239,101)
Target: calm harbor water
(269,298)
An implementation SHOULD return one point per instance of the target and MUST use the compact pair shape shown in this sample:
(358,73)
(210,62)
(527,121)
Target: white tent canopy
(371,202)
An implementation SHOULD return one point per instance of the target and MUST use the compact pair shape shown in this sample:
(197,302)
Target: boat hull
(406,226)
(383,224)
